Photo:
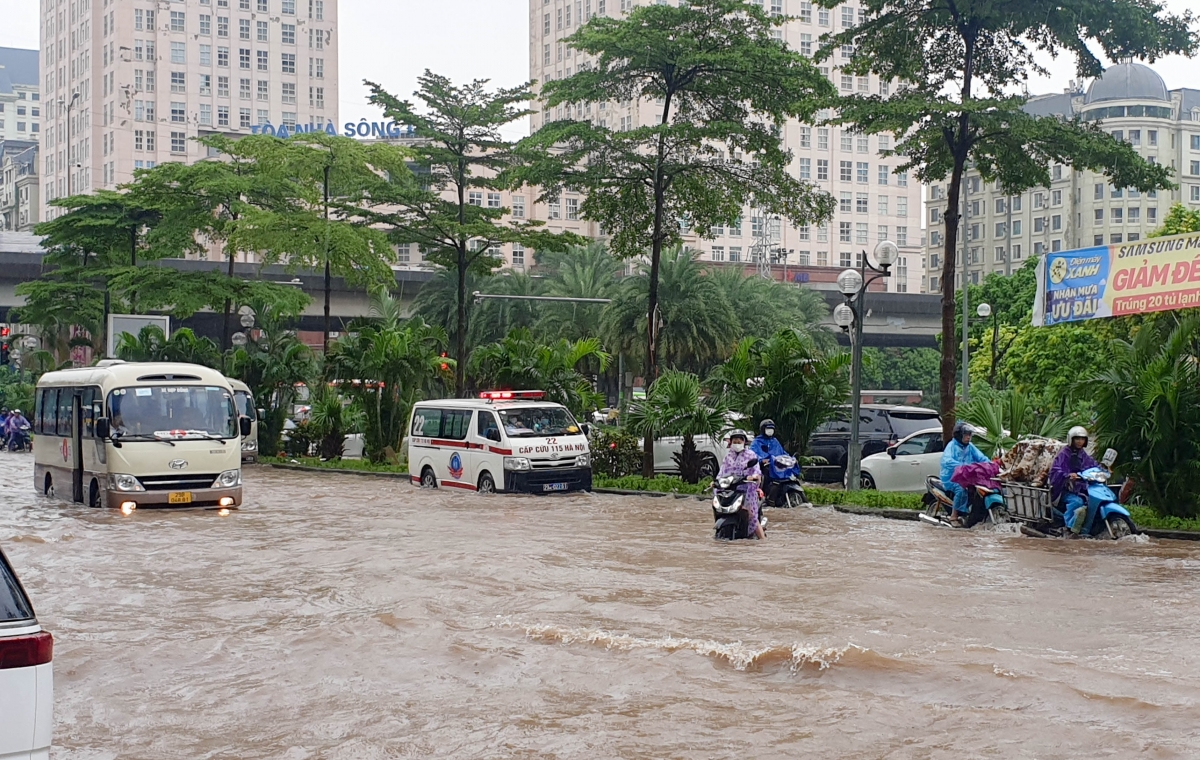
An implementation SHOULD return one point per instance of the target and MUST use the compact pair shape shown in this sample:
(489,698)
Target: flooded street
(352,617)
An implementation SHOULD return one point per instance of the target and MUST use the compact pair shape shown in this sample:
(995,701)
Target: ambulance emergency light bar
(513,395)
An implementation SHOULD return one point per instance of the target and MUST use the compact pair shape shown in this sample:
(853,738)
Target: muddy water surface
(350,617)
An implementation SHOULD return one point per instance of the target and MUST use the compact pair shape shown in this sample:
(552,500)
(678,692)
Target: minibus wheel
(487,484)
(48,486)
(94,494)
(428,479)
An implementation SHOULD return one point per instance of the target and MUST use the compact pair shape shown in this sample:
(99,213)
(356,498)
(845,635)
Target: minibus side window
(456,423)
(38,406)
(65,395)
(87,396)
(427,422)
(487,422)
(48,410)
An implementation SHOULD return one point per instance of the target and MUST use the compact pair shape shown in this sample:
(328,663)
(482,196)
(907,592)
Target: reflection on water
(344,617)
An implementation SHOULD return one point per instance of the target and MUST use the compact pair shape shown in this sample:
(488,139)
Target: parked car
(880,426)
(711,450)
(905,466)
(26,675)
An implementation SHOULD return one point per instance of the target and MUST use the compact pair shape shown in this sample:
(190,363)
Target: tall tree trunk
(460,337)
(656,244)
(133,263)
(225,333)
(961,150)
(325,340)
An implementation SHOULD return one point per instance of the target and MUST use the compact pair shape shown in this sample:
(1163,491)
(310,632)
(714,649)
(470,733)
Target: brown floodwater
(351,617)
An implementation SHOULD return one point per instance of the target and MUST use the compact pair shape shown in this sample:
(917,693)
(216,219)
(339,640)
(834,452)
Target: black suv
(880,426)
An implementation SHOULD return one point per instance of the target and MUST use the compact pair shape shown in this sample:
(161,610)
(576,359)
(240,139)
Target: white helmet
(1079,431)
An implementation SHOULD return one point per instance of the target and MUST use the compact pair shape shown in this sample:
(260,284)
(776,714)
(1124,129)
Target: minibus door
(76,448)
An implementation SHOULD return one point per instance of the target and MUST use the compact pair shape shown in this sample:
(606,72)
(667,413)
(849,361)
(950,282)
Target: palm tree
(582,272)
(521,362)
(386,365)
(151,345)
(786,378)
(1007,417)
(698,326)
(1147,400)
(273,363)
(765,306)
(673,406)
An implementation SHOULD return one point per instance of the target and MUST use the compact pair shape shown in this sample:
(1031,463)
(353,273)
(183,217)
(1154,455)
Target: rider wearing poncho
(1065,482)
(958,452)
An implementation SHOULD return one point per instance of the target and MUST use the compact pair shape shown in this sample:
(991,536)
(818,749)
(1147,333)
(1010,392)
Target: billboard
(120,324)
(1157,274)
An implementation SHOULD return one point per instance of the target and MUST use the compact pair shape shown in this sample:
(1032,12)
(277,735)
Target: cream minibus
(503,441)
(244,400)
(130,435)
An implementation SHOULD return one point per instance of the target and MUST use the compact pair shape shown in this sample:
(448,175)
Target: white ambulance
(510,441)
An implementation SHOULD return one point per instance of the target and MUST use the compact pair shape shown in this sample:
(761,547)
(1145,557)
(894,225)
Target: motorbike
(781,477)
(987,505)
(20,440)
(1111,521)
(732,520)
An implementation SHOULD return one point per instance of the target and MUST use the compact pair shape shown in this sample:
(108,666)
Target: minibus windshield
(538,421)
(172,412)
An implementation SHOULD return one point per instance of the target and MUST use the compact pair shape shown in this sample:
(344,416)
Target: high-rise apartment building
(1078,209)
(20,100)
(875,201)
(128,84)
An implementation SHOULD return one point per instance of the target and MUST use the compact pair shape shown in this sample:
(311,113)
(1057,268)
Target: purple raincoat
(744,464)
(1069,460)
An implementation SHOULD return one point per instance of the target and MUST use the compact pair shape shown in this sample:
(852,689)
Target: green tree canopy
(956,61)
(459,151)
(521,362)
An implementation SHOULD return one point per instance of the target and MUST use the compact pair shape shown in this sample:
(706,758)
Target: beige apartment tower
(875,201)
(128,84)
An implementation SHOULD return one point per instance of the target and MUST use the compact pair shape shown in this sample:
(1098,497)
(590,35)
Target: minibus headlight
(249,445)
(228,479)
(120,482)
(517,463)
(583,460)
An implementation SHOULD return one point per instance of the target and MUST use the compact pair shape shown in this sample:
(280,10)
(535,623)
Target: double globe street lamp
(849,315)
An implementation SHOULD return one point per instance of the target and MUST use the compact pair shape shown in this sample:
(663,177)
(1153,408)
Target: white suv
(26,675)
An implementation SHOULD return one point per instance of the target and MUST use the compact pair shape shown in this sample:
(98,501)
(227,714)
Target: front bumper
(207,498)
(535,481)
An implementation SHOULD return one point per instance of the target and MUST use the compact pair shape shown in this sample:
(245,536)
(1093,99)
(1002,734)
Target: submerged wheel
(1119,526)
(93,494)
(487,484)
(794,500)
(428,479)
(709,468)
(866,482)
(48,486)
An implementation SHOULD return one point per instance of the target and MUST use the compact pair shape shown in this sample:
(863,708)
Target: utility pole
(328,278)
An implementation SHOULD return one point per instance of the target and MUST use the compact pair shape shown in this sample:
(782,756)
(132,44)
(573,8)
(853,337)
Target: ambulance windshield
(538,422)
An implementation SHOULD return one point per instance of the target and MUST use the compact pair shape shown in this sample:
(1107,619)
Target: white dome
(1128,81)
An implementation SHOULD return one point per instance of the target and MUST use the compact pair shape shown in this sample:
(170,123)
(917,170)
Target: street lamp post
(984,310)
(853,284)
(70,146)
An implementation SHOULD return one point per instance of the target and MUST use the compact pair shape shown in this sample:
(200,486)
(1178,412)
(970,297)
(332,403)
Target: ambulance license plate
(179,497)
(554,487)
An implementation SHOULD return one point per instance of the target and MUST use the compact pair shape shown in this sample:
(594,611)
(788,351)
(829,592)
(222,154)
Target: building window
(845,203)
(206,114)
(806,168)
(262,62)
(861,231)
(902,236)
(288,63)
(846,171)
(244,58)
(261,6)
(822,169)
(244,118)
(206,55)
(844,232)
(178,53)
(319,100)
(518,255)
(862,203)
(222,87)
(222,26)
(864,172)
(288,118)
(1195,193)
(244,89)
(288,7)
(261,31)
(178,81)
(178,142)
(735,253)
(178,112)
(262,89)
(1118,216)
(288,93)
(206,84)
(902,179)
(718,253)
(288,34)
(475,198)
(902,207)
(518,206)
(177,21)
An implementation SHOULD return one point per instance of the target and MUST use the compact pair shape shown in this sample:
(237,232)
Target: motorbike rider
(1066,483)
(958,452)
(13,426)
(740,461)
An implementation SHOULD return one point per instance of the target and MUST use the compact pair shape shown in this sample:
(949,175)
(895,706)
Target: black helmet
(961,430)
(762,426)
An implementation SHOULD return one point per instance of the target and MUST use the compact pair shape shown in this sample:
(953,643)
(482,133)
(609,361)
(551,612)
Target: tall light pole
(70,144)
(984,310)
(853,284)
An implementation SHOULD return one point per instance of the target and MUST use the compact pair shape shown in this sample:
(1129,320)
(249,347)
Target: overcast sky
(392,41)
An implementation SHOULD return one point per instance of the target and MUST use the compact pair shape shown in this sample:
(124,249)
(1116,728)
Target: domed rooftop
(1128,81)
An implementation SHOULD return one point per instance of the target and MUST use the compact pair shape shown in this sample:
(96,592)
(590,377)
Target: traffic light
(4,333)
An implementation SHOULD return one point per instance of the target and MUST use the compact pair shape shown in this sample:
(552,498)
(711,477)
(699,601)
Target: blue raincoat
(955,455)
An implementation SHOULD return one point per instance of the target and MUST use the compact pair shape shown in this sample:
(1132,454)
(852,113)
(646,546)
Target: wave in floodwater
(740,655)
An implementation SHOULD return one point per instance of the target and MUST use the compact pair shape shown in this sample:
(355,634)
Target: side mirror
(103,428)
(261,412)
(587,429)
(244,426)
(493,435)
(891,450)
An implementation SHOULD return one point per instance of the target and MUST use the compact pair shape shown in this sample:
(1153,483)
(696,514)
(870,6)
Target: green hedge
(361,465)
(826,497)
(1144,517)
(659,483)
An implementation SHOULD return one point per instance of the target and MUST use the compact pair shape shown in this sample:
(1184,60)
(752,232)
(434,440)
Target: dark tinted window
(840,424)
(65,398)
(427,422)
(906,423)
(455,423)
(47,408)
(875,421)
(487,421)
(87,397)
(245,405)
(14,605)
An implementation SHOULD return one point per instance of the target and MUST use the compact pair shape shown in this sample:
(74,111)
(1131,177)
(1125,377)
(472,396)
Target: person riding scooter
(16,431)
(958,452)
(742,462)
(1067,485)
